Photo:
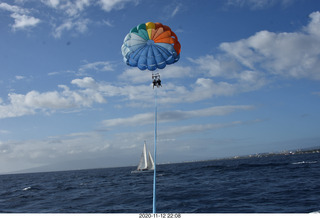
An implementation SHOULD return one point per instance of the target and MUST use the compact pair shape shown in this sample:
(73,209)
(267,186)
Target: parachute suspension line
(156,83)
(155,150)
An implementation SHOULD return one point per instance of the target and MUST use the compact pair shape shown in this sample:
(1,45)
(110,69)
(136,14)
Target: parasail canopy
(151,46)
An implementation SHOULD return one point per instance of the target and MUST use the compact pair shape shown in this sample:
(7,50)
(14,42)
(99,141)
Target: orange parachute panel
(163,35)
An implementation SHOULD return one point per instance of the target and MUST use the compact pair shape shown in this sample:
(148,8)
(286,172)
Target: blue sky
(247,82)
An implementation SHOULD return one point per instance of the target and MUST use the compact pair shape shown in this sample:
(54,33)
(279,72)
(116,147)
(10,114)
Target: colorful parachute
(151,46)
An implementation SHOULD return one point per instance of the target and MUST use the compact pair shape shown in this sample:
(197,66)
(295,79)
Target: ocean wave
(305,162)
(26,188)
(244,166)
(259,165)
(31,188)
(264,185)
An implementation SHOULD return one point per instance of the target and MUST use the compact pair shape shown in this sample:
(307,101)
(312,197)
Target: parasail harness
(156,80)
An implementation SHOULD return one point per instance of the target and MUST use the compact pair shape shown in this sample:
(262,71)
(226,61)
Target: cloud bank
(70,15)
(21,16)
(245,65)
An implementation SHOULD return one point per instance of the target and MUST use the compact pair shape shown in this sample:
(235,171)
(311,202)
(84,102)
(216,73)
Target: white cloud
(220,66)
(4,132)
(108,23)
(14,109)
(96,66)
(313,27)
(67,25)
(80,25)
(258,4)
(140,95)
(70,8)
(170,10)
(250,64)
(176,10)
(52,100)
(266,53)
(287,54)
(135,75)
(206,88)
(19,77)
(194,128)
(70,16)
(50,150)
(72,13)
(138,119)
(203,88)
(51,3)
(243,66)
(73,9)
(109,5)
(22,19)
(148,118)
(30,103)
(12,8)
(87,92)
(120,149)
(86,82)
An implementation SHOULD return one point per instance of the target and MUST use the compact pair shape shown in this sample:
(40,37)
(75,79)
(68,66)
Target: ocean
(271,184)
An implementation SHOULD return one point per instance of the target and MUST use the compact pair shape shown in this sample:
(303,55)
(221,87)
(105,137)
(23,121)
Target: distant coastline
(312,150)
(258,155)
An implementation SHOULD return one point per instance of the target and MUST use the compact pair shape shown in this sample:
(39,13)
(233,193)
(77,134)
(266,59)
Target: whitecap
(305,162)
(27,188)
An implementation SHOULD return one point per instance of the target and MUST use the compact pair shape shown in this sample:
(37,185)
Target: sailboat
(146,163)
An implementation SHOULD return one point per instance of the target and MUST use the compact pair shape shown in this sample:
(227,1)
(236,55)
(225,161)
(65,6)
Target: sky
(247,82)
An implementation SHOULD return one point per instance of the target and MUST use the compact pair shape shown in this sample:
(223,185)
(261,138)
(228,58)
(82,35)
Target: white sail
(150,162)
(146,161)
(143,164)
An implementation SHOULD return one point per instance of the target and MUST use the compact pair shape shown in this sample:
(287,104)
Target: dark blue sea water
(277,184)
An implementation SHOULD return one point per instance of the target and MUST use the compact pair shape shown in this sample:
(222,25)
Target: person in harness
(156,80)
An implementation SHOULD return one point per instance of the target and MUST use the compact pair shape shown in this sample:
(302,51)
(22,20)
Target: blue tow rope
(155,150)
